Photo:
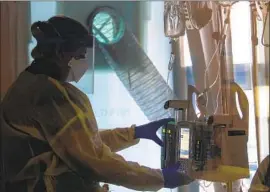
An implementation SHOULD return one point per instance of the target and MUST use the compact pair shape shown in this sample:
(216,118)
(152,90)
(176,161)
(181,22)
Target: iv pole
(224,80)
(254,41)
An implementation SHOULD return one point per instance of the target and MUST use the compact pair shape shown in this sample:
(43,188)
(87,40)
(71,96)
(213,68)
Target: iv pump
(186,142)
(205,146)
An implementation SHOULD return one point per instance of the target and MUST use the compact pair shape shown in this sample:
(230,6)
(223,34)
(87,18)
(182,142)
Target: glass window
(108,27)
(103,22)
(241,46)
(188,62)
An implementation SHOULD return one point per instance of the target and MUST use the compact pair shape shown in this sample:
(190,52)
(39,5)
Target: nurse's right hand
(174,178)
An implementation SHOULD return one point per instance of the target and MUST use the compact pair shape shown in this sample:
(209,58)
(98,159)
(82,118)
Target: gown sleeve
(68,123)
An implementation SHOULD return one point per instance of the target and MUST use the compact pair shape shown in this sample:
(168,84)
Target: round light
(107,26)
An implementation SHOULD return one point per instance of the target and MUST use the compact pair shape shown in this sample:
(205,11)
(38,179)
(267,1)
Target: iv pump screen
(184,143)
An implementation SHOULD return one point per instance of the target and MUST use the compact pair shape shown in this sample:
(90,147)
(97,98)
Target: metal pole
(224,89)
(229,187)
(254,40)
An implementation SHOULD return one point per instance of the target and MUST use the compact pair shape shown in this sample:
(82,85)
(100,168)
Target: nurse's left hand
(149,131)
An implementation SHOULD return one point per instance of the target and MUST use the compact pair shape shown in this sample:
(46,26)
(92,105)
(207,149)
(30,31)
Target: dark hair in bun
(46,37)
(43,30)
(59,34)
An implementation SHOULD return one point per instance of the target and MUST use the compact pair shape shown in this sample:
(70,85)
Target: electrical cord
(219,47)
(264,26)
(206,72)
(206,89)
(217,104)
(204,186)
(170,66)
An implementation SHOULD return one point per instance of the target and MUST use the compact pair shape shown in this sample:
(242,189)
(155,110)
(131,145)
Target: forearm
(131,174)
(119,138)
(112,168)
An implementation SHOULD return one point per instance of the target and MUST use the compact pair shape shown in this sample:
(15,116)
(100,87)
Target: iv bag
(174,21)
(200,13)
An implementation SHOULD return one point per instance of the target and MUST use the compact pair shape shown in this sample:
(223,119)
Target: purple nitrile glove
(149,131)
(174,178)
